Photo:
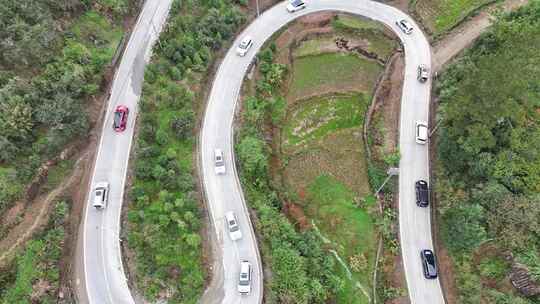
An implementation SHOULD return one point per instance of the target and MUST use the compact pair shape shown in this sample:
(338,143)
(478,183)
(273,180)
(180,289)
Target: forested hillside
(53,54)
(489,153)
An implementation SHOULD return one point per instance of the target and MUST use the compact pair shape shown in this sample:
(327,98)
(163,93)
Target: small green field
(441,15)
(331,206)
(326,168)
(316,117)
(334,72)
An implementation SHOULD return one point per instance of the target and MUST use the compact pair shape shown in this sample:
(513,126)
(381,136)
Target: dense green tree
(463,227)
(251,151)
(515,221)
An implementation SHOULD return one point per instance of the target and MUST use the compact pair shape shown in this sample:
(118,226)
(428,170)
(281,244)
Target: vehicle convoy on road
(244,46)
(244,278)
(423,73)
(429,264)
(295,5)
(224,192)
(100,264)
(232,225)
(120,118)
(421,130)
(405,26)
(422,193)
(101,195)
(219,161)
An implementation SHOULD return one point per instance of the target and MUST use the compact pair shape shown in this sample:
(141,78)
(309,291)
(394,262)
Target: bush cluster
(164,216)
(489,147)
(36,276)
(50,65)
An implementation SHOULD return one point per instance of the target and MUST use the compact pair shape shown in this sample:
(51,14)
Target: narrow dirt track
(465,34)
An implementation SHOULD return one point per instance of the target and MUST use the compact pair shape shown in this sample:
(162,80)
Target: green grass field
(332,207)
(441,15)
(322,147)
(335,72)
(319,116)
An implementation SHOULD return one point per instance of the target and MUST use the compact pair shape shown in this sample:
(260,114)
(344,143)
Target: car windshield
(244,279)
(117,118)
(244,44)
(429,258)
(233,226)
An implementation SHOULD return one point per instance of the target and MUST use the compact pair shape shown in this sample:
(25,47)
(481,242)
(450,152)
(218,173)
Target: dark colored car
(429,264)
(120,118)
(422,193)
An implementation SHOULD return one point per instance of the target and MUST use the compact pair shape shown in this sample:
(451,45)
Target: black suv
(422,193)
(429,264)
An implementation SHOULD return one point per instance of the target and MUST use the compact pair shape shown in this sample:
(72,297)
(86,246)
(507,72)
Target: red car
(120,118)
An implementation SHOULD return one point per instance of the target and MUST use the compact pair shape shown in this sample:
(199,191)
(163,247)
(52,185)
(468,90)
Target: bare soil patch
(384,125)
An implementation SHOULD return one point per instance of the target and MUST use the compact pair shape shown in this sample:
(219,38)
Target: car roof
(422,132)
(246,39)
(244,266)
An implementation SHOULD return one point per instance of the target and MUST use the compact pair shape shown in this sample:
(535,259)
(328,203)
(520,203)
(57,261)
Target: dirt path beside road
(464,35)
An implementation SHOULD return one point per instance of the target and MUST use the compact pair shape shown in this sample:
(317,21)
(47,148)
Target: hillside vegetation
(489,151)
(53,56)
(439,16)
(35,277)
(165,218)
(303,161)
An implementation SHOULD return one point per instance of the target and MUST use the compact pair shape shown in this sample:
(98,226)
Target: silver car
(232,225)
(405,26)
(421,132)
(295,5)
(219,162)
(244,46)
(423,73)
(100,195)
(244,279)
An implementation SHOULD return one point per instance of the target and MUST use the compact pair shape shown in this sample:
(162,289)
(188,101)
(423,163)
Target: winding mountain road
(104,278)
(224,193)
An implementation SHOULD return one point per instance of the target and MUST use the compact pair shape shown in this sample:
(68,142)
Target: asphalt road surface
(224,193)
(104,276)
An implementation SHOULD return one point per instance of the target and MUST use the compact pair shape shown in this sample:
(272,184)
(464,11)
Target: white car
(100,195)
(295,5)
(244,280)
(244,46)
(219,162)
(423,73)
(232,225)
(405,26)
(421,132)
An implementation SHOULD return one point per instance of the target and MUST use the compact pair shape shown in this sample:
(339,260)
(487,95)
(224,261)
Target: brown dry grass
(340,154)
